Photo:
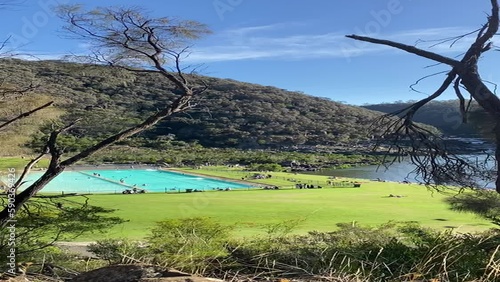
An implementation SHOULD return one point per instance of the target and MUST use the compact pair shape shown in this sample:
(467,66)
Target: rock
(137,273)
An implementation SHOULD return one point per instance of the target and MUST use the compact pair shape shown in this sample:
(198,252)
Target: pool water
(116,181)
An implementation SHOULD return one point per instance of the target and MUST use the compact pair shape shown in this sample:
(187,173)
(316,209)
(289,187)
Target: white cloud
(252,29)
(295,41)
(33,56)
(263,28)
(271,42)
(434,33)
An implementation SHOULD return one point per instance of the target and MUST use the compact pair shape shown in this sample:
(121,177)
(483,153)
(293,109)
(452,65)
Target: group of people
(307,186)
(257,176)
(134,190)
(191,190)
(223,189)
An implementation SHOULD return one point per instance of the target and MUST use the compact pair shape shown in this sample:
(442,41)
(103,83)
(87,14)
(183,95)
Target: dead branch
(412,87)
(433,161)
(409,49)
(7,92)
(28,167)
(26,114)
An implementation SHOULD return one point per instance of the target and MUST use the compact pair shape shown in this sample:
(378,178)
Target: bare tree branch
(8,92)
(28,167)
(26,114)
(431,157)
(122,38)
(412,87)
(408,48)
(453,39)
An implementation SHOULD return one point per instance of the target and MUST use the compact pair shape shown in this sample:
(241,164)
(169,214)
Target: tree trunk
(484,97)
(491,104)
(8,213)
(497,155)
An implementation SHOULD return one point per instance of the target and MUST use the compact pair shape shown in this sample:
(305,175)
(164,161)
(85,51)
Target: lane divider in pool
(108,180)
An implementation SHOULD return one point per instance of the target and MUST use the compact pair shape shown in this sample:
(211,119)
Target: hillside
(445,115)
(229,114)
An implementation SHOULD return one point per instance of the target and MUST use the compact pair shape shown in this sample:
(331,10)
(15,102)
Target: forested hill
(445,115)
(229,113)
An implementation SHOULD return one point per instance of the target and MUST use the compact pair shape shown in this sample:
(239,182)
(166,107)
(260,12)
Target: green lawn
(18,163)
(320,209)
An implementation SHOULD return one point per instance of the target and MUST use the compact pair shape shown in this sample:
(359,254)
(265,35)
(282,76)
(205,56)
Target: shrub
(391,252)
(116,251)
(265,167)
(44,221)
(190,244)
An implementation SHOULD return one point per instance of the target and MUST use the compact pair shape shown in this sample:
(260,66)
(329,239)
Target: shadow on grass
(483,203)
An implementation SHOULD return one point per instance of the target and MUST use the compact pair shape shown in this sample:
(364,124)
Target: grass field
(250,211)
(18,163)
(316,209)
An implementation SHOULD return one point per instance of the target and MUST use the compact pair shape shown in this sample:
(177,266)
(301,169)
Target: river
(395,172)
(398,171)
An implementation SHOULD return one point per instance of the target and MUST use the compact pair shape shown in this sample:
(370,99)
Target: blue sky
(291,44)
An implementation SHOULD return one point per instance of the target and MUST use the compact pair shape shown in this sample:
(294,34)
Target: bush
(116,251)
(190,244)
(265,167)
(44,221)
(391,252)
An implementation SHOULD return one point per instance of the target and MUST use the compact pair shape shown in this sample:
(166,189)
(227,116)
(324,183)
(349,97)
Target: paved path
(79,248)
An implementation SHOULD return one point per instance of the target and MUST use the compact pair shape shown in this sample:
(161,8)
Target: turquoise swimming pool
(116,181)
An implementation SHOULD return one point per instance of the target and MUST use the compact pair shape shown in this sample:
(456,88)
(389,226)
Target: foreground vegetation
(333,233)
(388,252)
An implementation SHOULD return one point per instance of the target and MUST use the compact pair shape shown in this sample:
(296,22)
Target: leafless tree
(129,39)
(434,163)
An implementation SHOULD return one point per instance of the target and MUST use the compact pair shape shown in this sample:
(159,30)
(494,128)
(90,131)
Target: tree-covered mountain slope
(445,115)
(228,114)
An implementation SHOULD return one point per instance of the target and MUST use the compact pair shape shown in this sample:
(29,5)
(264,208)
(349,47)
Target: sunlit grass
(317,209)
(19,163)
